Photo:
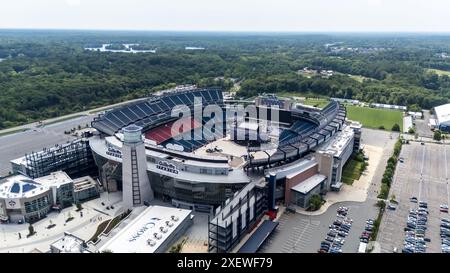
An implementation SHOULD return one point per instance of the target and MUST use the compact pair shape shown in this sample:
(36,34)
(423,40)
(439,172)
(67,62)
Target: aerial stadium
(211,154)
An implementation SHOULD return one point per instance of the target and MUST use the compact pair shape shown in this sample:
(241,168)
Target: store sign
(143,229)
(167,167)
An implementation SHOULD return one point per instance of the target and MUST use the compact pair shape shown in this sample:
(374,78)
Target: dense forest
(49,73)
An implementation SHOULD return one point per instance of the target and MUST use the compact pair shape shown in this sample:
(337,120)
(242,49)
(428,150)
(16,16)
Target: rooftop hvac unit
(174,218)
(169,224)
(151,242)
(163,229)
(157,235)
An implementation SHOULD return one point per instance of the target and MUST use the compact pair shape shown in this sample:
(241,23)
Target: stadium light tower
(136,187)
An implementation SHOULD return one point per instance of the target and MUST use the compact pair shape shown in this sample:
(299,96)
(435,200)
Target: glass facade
(201,193)
(37,208)
(64,195)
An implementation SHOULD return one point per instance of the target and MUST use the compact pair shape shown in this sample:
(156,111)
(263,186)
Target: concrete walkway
(358,191)
(84,227)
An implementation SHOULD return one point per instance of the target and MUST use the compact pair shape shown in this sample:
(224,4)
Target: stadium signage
(143,229)
(167,167)
(114,152)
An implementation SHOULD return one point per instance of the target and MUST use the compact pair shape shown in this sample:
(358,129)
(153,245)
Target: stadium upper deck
(155,110)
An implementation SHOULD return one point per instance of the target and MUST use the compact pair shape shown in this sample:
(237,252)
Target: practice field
(374,118)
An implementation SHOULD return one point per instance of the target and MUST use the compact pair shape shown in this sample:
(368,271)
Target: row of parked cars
(337,233)
(445,235)
(365,236)
(416,226)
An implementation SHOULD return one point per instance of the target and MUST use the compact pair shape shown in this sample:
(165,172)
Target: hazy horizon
(282,16)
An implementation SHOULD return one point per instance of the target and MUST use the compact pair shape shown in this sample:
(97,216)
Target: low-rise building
(152,231)
(85,189)
(24,200)
(443,117)
(61,186)
(69,243)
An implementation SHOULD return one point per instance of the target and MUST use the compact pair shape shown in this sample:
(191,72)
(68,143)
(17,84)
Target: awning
(337,185)
(258,237)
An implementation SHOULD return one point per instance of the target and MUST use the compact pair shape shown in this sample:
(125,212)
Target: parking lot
(298,233)
(424,175)
(18,144)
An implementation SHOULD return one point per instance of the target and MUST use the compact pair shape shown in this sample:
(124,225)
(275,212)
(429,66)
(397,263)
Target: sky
(230,15)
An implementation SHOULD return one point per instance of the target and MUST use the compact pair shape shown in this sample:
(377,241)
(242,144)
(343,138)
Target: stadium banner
(12,203)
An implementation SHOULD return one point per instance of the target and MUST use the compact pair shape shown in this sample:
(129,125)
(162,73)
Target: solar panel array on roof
(15,188)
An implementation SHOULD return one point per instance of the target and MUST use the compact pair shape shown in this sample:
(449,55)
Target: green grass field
(319,103)
(439,72)
(351,171)
(374,118)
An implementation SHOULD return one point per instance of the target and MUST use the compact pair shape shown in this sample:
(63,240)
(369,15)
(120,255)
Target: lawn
(374,118)
(351,171)
(316,102)
(439,72)
(319,102)
(359,78)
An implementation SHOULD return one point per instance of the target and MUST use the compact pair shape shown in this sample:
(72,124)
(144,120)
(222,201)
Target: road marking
(446,174)
(421,173)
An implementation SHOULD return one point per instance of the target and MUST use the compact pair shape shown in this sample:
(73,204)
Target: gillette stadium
(201,150)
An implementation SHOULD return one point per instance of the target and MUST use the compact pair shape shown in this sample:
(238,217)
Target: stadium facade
(178,168)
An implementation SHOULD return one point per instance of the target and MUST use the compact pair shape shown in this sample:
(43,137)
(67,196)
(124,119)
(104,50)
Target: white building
(443,117)
(69,243)
(407,123)
(389,106)
(23,199)
(153,231)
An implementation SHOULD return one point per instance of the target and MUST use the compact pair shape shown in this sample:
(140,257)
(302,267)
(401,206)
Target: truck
(362,247)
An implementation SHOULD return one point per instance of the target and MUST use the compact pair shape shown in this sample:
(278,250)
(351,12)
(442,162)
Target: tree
(315,202)
(437,135)
(411,130)
(396,127)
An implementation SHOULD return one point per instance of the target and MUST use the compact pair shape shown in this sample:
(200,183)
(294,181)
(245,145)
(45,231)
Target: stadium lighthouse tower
(136,188)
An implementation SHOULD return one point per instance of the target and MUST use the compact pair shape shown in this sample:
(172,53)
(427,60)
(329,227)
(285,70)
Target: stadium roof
(443,113)
(258,237)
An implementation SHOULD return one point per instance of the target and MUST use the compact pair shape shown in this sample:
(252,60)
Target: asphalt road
(422,128)
(18,144)
(425,175)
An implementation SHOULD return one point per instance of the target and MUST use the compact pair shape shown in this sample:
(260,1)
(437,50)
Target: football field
(375,118)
